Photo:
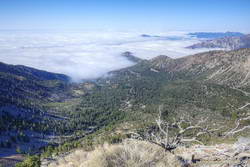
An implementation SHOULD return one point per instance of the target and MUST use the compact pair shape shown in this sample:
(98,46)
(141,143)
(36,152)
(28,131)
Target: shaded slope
(24,121)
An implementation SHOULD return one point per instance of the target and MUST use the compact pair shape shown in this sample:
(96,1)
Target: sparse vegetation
(129,153)
(30,161)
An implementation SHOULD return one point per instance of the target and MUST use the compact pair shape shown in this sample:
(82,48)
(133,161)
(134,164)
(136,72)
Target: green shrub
(234,116)
(31,161)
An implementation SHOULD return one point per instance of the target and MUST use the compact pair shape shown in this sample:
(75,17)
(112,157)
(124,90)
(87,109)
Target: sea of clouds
(87,54)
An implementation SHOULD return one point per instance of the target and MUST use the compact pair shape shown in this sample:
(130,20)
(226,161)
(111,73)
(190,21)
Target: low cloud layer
(86,54)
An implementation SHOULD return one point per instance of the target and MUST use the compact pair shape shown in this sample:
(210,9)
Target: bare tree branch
(170,141)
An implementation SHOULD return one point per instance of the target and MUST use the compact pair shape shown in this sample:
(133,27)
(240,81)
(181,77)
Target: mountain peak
(161,61)
(130,56)
(161,58)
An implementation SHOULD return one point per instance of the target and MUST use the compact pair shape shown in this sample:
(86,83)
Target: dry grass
(130,153)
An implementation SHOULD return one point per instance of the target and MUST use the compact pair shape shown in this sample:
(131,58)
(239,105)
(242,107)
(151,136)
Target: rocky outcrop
(221,155)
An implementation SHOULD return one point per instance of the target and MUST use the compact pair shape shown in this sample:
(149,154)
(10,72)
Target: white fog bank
(87,54)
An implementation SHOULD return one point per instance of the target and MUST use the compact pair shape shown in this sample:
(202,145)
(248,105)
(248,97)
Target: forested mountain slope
(207,83)
(21,84)
(212,85)
(23,93)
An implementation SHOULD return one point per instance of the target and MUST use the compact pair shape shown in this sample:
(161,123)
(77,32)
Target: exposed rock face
(230,43)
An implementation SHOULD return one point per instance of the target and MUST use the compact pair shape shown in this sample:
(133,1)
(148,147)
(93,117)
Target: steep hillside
(211,83)
(221,67)
(31,73)
(230,43)
(21,84)
(35,110)
(24,121)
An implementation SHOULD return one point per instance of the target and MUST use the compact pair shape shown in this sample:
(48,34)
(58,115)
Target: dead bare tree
(171,135)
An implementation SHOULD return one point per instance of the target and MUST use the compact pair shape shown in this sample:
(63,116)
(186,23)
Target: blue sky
(194,15)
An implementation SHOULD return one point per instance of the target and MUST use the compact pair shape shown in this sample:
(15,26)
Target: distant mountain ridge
(229,68)
(230,43)
(31,73)
(23,83)
(214,35)
(173,38)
